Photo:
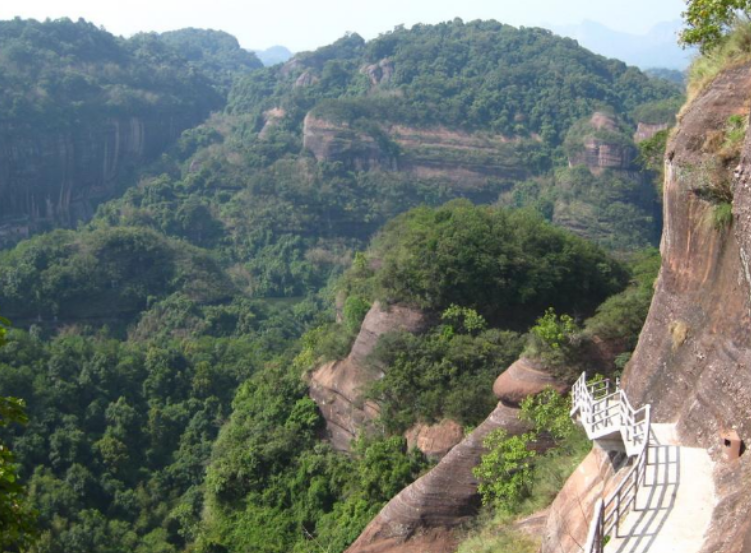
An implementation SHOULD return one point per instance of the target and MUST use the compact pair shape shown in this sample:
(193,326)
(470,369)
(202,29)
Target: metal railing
(603,412)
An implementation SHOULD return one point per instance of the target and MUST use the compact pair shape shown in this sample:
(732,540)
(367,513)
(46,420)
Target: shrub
(504,471)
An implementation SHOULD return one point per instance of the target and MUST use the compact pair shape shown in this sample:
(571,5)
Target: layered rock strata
(425,516)
(467,159)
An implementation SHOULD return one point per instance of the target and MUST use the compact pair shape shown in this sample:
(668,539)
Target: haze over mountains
(657,48)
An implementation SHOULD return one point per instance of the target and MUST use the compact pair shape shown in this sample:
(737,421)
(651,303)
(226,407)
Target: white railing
(604,409)
(605,412)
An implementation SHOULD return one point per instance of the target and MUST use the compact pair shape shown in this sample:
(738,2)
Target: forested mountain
(215,53)
(163,343)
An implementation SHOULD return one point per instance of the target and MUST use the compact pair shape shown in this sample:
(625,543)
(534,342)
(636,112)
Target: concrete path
(674,505)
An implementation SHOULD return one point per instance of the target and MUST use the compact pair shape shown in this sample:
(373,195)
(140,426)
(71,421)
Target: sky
(307,24)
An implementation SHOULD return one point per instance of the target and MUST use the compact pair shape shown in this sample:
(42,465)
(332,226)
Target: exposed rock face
(645,131)
(569,516)
(379,73)
(464,158)
(693,361)
(335,142)
(337,387)
(271,119)
(423,516)
(59,178)
(435,441)
(522,379)
(599,152)
(306,79)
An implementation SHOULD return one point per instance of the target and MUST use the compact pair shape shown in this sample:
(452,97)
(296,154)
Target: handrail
(609,413)
(595,535)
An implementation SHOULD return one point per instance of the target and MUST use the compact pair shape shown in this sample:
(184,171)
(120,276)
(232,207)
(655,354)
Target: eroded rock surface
(645,131)
(693,361)
(467,159)
(436,440)
(58,178)
(599,152)
(522,379)
(337,387)
(424,515)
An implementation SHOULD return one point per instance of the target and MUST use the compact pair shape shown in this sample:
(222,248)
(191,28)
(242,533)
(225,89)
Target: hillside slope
(82,110)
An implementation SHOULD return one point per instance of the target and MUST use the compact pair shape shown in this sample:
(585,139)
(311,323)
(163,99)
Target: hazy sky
(306,24)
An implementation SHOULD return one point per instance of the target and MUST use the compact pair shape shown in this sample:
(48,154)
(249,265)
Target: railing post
(618,513)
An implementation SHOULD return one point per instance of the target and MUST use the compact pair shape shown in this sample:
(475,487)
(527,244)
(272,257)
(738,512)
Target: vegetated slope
(80,110)
(240,210)
(255,496)
(216,54)
(475,106)
(312,157)
(692,360)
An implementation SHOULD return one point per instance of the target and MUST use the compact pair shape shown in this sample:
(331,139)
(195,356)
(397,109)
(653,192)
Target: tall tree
(708,21)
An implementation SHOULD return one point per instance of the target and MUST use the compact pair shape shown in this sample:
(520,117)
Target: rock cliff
(466,159)
(645,131)
(58,178)
(337,387)
(602,146)
(693,361)
(425,516)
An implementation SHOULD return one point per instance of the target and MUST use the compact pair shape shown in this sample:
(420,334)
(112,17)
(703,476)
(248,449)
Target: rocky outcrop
(337,142)
(522,379)
(645,131)
(604,148)
(466,159)
(693,361)
(568,519)
(58,178)
(379,73)
(271,118)
(425,516)
(436,440)
(337,387)
(307,78)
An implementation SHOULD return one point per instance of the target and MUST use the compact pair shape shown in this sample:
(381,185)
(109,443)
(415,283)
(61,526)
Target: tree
(16,518)
(708,21)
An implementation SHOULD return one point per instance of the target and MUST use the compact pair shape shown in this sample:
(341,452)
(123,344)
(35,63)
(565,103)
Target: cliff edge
(693,360)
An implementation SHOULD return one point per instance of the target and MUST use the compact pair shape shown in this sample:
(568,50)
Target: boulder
(437,440)
(522,379)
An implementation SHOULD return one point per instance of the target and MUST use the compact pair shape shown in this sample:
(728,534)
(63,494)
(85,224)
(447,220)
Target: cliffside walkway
(663,504)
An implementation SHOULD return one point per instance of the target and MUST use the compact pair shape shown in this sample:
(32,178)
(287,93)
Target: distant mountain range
(657,48)
(273,55)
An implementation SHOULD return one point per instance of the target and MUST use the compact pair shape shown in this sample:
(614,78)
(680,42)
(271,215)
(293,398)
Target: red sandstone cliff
(424,516)
(693,361)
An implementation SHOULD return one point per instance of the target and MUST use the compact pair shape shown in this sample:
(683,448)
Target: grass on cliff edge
(734,50)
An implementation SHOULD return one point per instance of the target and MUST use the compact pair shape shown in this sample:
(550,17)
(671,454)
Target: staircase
(608,417)
(612,423)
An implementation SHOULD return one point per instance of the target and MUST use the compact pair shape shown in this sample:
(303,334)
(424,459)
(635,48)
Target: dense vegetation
(708,22)
(480,75)
(165,341)
(58,74)
(215,53)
